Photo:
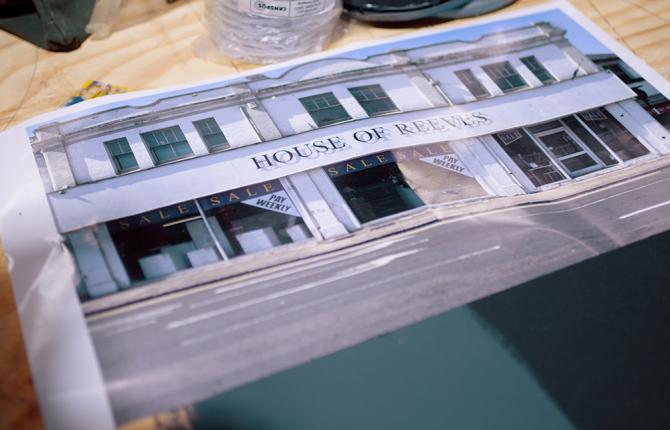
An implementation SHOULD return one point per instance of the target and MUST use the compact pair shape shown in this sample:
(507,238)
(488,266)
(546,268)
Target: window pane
(373,99)
(613,134)
(122,156)
(163,153)
(124,147)
(210,132)
(167,144)
(529,157)
(182,148)
(126,162)
(325,109)
(538,69)
(589,140)
(579,162)
(216,140)
(505,76)
(472,83)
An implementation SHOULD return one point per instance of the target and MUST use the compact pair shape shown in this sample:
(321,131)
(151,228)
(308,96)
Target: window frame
(507,67)
(365,103)
(211,148)
(114,157)
(331,107)
(537,69)
(177,132)
(472,81)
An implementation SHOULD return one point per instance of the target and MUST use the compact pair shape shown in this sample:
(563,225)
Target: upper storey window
(166,144)
(623,73)
(538,69)
(472,83)
(325,109)
(373,99)
(505,76)
(121,154)
(211,134)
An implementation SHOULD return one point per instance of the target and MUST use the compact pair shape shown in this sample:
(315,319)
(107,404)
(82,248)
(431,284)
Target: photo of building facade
(327,147)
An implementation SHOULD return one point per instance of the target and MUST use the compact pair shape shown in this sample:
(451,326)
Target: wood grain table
(152,46)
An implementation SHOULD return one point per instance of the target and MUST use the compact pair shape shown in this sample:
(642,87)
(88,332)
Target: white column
(142,155)
(91,262)
(489,168)
(116,267)
(642,125)
(327,224)
(198,146)
(55,157)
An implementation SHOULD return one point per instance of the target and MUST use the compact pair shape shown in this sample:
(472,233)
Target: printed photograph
(227,232)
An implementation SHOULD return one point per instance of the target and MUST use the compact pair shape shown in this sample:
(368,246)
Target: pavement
(185,346)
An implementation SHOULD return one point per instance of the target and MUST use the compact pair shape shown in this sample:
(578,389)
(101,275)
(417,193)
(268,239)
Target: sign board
(276,202)
(449,162)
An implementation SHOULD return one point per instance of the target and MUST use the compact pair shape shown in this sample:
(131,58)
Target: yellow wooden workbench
(150,48)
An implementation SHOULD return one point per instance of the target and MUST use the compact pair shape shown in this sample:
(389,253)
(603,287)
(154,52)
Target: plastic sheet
(338,211)
(270,31)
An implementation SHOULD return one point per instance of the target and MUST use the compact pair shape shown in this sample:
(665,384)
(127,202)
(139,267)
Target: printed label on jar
(284,8)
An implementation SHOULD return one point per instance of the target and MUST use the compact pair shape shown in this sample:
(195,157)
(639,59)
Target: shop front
(570,147)
(197,232)
(388,183)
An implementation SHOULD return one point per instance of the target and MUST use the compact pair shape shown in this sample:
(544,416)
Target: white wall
(291,117)
(551,57)
(491,40)
(90,161)
(200,176)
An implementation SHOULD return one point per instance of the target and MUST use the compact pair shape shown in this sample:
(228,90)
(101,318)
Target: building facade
(647,95)
(141,192)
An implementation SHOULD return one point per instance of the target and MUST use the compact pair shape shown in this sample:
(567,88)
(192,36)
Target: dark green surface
(56,25)
(586,347)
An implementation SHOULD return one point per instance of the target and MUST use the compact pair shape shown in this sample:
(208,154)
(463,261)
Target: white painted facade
(265,116)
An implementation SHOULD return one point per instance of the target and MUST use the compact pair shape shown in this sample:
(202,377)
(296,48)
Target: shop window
(613,134)
(538,69)
(373,186)
(325,109)
(167,144)
(505,76)
(623,73)
(593,144)
(373,99)
(436,173)
(211,134)
(121,154)
(472,83)
(534,163)
(163,241)
(254,218)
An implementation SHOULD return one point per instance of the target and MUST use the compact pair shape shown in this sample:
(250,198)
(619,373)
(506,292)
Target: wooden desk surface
(150,48)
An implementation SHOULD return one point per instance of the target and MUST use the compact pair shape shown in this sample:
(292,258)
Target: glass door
(575,157)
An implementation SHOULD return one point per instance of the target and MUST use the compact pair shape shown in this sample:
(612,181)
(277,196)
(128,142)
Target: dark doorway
(377,192)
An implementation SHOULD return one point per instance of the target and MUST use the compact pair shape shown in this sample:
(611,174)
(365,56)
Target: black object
(56,25)
(402,11)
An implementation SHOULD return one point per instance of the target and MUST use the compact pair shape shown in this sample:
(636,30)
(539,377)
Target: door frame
(537,137)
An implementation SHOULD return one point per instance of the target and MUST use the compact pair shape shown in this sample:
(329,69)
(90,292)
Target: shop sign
(384,137)
(509,137)
(420,152)
(276,202)
(158,216)
(239,195)
(449,162)
(593,115)
(359,164)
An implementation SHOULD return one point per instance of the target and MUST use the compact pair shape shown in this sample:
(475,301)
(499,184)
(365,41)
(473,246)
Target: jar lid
(403,10)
